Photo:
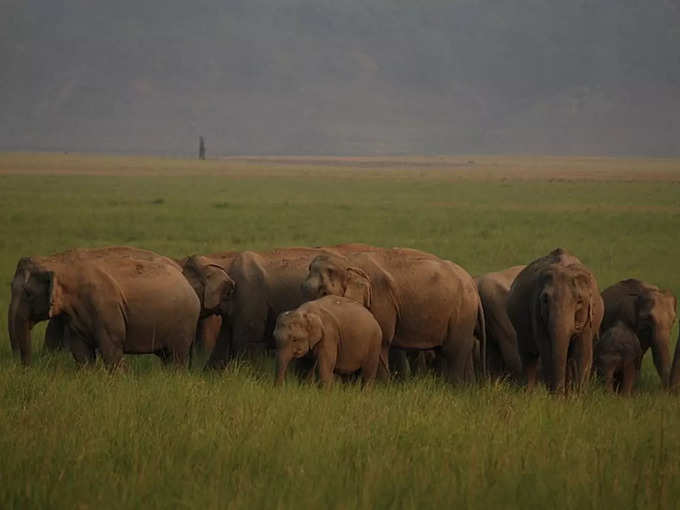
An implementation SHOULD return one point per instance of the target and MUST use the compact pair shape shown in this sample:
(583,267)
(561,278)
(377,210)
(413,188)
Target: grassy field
(154,438)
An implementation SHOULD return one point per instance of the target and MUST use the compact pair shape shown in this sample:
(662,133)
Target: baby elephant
(618,356)
(340,334)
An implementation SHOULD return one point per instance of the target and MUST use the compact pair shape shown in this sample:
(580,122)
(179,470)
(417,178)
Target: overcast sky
(343,77)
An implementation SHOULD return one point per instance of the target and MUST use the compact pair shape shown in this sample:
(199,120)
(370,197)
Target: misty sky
(341,77)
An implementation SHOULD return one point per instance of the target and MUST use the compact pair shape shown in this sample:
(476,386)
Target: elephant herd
(344,309)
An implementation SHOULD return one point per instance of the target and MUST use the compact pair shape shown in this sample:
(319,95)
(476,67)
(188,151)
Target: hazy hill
(350,77)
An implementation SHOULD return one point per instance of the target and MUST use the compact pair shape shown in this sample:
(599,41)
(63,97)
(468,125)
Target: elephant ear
(218,288)
(314,328)
(358,286)
(56,294)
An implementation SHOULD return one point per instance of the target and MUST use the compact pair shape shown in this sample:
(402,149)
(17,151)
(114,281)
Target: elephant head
(212,284)
(563,308)
(296,333)
(655,313)
(331,275)
(37,295)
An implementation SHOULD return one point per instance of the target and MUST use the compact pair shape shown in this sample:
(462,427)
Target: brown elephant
(618,357)
(650,312)
(502,354)
(555,306)
(197,271)
(420,301)
(341,335)
(266,284)
(113,300)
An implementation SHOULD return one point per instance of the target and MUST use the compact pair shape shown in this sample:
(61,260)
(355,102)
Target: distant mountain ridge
(352,77)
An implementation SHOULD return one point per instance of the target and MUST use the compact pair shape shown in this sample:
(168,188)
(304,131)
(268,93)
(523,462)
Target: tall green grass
(156,438)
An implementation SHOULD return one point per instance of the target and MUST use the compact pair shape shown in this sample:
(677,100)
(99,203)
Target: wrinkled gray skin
(420,301)
(556,310)
(617,358)
(266,284)
(113,300)
(650,312)
(341,335)
(502,354)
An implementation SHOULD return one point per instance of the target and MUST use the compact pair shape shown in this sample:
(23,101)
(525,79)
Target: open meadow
(155,438)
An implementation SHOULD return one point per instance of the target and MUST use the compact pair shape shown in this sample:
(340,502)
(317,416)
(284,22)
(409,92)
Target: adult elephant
(266,284)
(555,307)
(114,300)
(55,338)
(420,301)
(502,354)
(649,312)
(196,269)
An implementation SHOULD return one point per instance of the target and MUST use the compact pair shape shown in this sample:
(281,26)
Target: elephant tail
(481,331)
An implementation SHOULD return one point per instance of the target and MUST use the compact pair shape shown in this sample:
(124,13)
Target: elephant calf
(340,333)
(618,356)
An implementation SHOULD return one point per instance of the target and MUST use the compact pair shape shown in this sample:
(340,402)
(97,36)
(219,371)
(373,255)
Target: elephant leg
(327,368)
(175,358)
(111,349)
(311,375)
(470,373)
(55,334)
(629,374)
(398,360)
(494,361)
(246,333)
(207,334)
(608,375)
(384,364)
(83,352)
(457,353)
(221,351)
(305,368)
(507,344)
(369,369)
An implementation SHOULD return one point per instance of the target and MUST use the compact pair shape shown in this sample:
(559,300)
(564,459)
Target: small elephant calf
(340,333)
(618,357)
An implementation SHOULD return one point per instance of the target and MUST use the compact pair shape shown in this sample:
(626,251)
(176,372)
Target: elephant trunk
(559,338)
(661,354)
(283,358)
(20,332)
(310,287)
